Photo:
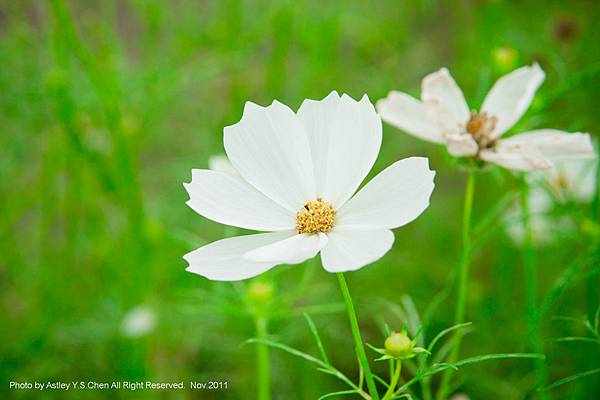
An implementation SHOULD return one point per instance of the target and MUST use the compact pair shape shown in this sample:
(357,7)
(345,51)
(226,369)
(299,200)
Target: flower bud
(398,345)
(504,58)
(260,292)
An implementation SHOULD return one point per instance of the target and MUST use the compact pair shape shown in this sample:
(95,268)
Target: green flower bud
(260,292)
(398,345)
(505,58)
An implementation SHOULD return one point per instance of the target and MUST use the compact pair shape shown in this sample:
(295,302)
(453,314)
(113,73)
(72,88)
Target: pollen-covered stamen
(316,216)
(481,126)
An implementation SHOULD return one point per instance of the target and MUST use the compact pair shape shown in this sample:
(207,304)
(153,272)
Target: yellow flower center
(480,126)
(316,216)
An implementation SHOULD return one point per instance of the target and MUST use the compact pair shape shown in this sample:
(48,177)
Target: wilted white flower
(442,116)
(572,180)
(138,322)
(297,176)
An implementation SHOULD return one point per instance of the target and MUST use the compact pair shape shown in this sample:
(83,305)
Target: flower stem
(532,310)
(394,380)
(463,280)
(360,348)
(262,360)
(592,295)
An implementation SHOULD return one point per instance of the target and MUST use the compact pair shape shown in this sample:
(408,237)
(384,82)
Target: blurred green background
(106,106)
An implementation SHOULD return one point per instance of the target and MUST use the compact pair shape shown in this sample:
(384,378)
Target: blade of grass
(570,378)
(467,361)
(337,394)
(317,337)
(445,332)
(574,339)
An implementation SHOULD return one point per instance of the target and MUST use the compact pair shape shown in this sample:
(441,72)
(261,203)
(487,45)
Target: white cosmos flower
(442,116)
(297,176)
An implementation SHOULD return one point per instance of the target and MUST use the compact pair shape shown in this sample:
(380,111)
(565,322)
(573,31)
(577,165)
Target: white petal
(223,260)
(409,114)
(344,137)
(270,150)
(228,199)
(555,144)
(350,249)
(220,162)
(462,145)
(441,91)
(511,95)
(292,250)
(517,158)
(395,197)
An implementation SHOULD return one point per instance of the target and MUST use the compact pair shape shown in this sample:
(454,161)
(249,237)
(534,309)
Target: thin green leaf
(375,349)
(317,337)
(597,319)
(444,366)
(445,332)
(336,394)
(421,350)
(288,349)
(381,380)
(567,319)
(414,320)
(570,379)
(454,367)
(487,357)
(569,274)
(338,374)
(575,339)
(589,327)
(387,330)
(404,395)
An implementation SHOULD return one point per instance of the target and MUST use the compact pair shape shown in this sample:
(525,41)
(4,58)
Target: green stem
(532,309)
(463,280)
(592,292)
(394,380)
(262,360)
(360,348)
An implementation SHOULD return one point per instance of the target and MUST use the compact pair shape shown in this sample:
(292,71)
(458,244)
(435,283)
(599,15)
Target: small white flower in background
(138,322)
(442,116)
(573,180)
(542,226)
(297,176)
(220,162)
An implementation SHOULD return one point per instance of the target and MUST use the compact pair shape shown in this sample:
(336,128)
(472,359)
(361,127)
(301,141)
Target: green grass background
(106,106)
